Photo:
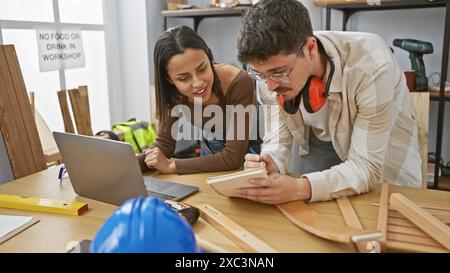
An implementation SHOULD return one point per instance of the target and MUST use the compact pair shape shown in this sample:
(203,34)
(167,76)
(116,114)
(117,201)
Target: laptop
(108,171)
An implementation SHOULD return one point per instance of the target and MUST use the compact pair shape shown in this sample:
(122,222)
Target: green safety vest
(138,133)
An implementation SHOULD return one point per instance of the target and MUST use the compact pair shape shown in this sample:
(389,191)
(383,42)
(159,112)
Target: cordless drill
(416,50)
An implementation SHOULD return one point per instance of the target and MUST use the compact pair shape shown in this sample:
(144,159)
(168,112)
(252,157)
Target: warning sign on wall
(59,49)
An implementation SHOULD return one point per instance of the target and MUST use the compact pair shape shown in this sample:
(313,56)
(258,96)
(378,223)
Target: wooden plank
(84,102)
(434,206)
(400,222)
(418,240)
(32,102)
(440,215)
(233,231)
(68,124)
(13,129)
(424,220)
(403,246)
(78,104)
(428,206)
(383,215)
(209,246)
(306,218)
(7,124)
(421,104)
(76,110)
(406,230)
(349,214)
(28,119)
(351,220)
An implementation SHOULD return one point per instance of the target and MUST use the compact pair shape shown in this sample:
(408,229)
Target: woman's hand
(154,158)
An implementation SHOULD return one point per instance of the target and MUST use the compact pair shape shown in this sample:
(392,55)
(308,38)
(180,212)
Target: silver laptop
(108,171)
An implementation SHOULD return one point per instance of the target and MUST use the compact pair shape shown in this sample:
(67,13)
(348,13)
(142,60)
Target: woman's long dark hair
(170,43)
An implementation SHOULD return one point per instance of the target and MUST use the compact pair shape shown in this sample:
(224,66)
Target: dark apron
(216,146)
(321,156)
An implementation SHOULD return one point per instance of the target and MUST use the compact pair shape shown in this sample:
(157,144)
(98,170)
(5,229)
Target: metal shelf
(199,14)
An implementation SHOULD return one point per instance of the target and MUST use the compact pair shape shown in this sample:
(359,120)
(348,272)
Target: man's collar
(330,50)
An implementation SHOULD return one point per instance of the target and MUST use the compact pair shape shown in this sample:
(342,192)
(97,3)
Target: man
(340,95)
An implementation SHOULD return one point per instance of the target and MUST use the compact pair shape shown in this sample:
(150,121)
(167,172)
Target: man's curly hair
(273,26)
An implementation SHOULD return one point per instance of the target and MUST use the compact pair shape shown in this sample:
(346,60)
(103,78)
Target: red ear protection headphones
(314,93)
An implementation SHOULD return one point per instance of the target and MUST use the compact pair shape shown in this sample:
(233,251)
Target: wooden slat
(306,218)
(383,210)
(442,216)
(68,124)
(208,246)
(403,246)
(84,102)
(400,222)
(232,230)
(18,127)
(349,214)
(13,129)
(434,206)
(421,104)
(428,206)
(25,109)
(418,240)
(32,102)
(80,104)
(351,220)
(424,220)
(406,230)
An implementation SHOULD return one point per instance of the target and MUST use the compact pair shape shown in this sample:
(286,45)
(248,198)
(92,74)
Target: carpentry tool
(188,212)
(233,231)
(42,204)
(416,51)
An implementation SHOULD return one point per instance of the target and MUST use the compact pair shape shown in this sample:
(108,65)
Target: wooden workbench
(54,232)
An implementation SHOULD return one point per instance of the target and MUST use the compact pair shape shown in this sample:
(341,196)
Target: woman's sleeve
(164,140)
(241,96)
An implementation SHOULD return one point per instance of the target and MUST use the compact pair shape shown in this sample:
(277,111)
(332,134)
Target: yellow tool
(42,204)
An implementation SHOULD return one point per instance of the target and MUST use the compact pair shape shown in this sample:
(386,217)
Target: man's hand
(277,189)
(154,158)
(258,161)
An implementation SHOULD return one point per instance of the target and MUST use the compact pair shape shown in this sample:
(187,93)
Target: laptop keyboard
(160,195)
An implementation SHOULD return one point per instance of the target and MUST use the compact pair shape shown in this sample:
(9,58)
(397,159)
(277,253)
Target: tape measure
(188,212)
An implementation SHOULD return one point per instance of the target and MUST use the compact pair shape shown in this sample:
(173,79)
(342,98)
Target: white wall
(422,24)
(133,59)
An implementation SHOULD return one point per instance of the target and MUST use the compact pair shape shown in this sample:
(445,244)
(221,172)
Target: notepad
(227,184)
(10,225)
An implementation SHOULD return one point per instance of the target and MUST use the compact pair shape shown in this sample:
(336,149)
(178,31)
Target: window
(81,11)
(18,21)
(27,10)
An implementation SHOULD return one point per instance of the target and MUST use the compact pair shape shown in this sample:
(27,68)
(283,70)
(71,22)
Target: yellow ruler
(42,204)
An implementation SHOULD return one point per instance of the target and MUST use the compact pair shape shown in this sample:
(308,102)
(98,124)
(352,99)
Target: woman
(185,74)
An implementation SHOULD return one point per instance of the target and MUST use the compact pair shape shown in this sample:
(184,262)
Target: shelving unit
(350,7)
(199,14)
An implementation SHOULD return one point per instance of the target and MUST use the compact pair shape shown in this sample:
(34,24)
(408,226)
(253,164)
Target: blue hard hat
(145,225)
